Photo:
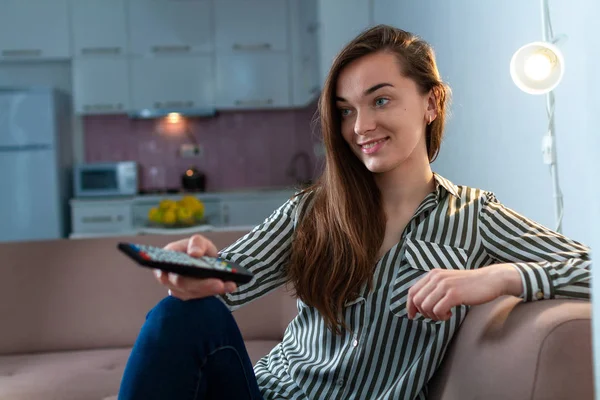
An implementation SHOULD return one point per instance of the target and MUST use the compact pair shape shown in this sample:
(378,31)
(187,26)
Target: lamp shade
(537,68)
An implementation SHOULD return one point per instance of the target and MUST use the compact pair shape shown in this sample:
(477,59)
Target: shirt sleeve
(265,251)
(551,265)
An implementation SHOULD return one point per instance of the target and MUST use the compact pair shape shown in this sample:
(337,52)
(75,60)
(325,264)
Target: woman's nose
(364,123)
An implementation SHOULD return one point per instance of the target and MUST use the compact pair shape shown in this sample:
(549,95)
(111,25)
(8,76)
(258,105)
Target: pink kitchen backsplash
(241,149)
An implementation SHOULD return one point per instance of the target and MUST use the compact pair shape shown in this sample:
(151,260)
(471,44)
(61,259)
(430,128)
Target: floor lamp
(537,68)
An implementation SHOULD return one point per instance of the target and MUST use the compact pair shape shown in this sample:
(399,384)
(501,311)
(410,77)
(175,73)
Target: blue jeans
(189,350)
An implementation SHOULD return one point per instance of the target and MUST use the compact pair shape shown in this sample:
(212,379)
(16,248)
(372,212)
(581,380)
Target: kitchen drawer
(101,218)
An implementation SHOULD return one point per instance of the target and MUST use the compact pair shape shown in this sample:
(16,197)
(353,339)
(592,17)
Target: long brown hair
(342,229)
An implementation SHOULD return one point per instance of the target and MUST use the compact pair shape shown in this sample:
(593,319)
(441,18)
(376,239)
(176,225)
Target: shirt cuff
(537,283)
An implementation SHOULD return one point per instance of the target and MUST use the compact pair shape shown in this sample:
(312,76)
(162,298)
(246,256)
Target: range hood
(157,113)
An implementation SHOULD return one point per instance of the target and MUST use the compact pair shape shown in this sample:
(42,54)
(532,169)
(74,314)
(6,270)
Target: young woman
(384,255)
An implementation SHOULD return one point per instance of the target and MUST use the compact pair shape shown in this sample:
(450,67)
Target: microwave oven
(106,179)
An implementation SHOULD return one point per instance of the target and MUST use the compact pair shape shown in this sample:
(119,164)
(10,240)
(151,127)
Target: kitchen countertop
(240,194)
(166,231)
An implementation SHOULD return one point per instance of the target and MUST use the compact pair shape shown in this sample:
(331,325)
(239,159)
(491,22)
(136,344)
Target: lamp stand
(549,141)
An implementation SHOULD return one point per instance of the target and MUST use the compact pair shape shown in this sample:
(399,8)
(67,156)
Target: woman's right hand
(186,288)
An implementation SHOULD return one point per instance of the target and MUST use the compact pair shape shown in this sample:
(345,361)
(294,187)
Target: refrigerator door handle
(26,147)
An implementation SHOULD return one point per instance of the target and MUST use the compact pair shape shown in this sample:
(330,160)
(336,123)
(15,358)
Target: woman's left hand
(441,289)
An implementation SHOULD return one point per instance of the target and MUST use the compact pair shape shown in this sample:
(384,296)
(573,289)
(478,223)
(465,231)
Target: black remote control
(183,264)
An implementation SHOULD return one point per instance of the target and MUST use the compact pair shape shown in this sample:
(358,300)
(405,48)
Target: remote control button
(159,254)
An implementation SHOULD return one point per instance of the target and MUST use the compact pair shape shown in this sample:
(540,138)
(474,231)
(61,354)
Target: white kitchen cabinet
(34,29)
(167,27)
(99,27)
(101,85)
(256,80)
(172,82)
(251,25)
(101,216)
(305,50)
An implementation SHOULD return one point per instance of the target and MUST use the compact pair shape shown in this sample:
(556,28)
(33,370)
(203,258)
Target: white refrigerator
(35,164)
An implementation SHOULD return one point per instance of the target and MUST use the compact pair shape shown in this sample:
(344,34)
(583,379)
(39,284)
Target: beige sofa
(70,311)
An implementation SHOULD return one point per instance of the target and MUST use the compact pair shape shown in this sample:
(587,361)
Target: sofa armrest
(508,349)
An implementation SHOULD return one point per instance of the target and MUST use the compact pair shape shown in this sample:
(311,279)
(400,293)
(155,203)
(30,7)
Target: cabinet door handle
(171,49)
(315,90)
(101,50)
(252,47)
(98,219)
(22,53)
(103,107)
(174,104)
(266,102)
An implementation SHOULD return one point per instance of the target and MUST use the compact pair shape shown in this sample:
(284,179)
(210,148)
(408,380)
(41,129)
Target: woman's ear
(432,104)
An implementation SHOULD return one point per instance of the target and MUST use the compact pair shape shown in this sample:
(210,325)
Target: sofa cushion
(81,375)
(78,375)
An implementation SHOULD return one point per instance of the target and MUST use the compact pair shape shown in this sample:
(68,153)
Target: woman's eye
(344,112)
(382,101)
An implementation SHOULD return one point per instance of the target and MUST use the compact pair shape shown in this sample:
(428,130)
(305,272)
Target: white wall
(340,21)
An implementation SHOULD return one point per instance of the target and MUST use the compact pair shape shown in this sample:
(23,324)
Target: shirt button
(355,343)
(340,382)
(539,295)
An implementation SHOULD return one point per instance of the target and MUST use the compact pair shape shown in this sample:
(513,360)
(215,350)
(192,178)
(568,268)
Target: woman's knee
(173,308)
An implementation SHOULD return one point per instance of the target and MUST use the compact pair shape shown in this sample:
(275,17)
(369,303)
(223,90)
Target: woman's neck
(406,186)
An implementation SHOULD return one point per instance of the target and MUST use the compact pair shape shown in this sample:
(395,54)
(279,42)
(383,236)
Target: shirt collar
(441,182)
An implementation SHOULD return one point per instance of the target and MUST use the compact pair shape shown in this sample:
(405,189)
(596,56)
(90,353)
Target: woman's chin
(376,167)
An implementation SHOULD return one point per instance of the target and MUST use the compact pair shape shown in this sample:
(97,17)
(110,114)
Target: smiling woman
(386,118)
(385,256)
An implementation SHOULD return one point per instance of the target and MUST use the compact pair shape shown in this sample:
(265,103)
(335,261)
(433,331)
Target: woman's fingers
(189,288)
(195,246)
(199,246)
(428,297)
(194,287)
(180,245)
(442,309)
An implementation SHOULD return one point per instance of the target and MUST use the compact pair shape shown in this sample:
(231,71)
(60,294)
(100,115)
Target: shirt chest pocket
(419,258)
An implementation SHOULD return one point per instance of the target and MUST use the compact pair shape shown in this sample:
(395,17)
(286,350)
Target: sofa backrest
(59,295)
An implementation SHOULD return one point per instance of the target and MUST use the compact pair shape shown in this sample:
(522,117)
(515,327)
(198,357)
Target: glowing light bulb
(538,66)
(174,118)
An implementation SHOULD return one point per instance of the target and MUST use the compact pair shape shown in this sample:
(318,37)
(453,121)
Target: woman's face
(383,114)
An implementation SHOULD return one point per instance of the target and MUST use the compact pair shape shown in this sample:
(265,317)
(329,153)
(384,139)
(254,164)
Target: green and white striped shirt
(386,355)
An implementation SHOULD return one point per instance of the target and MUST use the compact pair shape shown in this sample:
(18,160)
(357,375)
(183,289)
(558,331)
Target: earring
(430,119)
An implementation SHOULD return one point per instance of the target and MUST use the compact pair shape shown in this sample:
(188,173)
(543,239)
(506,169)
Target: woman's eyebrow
(376,87)
(368,91)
